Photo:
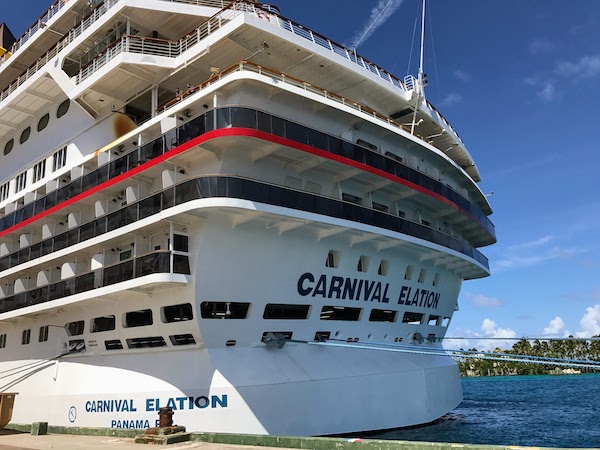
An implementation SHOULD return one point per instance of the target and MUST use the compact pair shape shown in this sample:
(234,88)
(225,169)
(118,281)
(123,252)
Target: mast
(420,89)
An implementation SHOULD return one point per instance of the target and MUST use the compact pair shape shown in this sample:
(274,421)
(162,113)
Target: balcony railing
(157,262)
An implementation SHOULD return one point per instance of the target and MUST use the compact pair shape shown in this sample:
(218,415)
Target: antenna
(419,88)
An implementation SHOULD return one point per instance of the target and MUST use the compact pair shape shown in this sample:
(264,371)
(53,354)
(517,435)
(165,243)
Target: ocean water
(543,411)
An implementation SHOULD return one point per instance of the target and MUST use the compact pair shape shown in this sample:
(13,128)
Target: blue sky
(520,81)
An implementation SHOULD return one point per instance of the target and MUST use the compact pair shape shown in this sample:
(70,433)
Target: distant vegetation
(568,349)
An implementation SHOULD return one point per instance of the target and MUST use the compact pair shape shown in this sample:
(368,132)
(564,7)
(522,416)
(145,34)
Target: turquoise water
(544,411)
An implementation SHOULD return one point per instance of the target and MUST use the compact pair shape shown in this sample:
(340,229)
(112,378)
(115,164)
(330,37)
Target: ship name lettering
(137,424)
(110,406)
(421,297)
(343,288)
(180,403)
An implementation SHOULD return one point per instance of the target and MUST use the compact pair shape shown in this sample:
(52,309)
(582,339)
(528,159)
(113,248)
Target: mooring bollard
(165,417)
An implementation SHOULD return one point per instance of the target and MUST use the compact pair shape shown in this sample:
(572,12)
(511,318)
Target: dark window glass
(9,146)
(63,108)
(383,315)
(138,318)
(264,122)
(26,338)
(180,243)
(286,311)
(75,328)
(340,313)
(25,135)
(243,117)
(296,132)
(181,264)
(224,310)
(43,122)
(177,313)
(411,317)
(114,344)
(43,336)
(106,323)
(145,342)
(182,339)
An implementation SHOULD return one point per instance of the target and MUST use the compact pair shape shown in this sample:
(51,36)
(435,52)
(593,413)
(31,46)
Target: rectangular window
(114,344)
(224,310)
(286,311)
(340,313)
(384,267)
(333,259)
(412,318)
(4,191)
(182,339)
(39,171)
(351,198)
(43,336)
(106,323)
(433,320)
(59,159)
(409,273)
(20,181)
(146,342)
(381,207)
(422,276)
(74,328)
(180,243)
(140,318)
(177,313)
(26,337)
(2,340)
(383,315)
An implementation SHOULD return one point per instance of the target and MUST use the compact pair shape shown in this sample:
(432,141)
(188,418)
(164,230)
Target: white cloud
(379,15)
(540,45)
(462,75)
(548,92)
(586,67)
(556,327)
(482,300)
(451,99)
(590,322)
(489,329)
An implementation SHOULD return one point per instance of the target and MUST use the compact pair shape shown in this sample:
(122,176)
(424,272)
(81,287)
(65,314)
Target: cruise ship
(207,206)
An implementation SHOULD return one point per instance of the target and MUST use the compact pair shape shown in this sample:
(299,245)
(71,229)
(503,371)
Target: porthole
(43,123)
(9,146)
(25,135)
(63,108)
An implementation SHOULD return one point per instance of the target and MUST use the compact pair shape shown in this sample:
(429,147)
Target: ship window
(59,159)
(182,339)
(433,320)
(39,171)
(412,318)
(340,313)
(277,334)
(180,243)
(446,321)
(224,310)
(401,214)
(436,279)
(381,207)
(382,315)
(393,156)
(367,144)
(63,108)
(43,123)
(322,336)
(351,198)
(113,344)
(363,264)
(124,256)
(333,259)
(293,182)
(9,146)
(146,342)
(384,267)
(105,323)
(177,313)
(4,191)
(2,340)
(231,343)
(75,328)
(139,318)
(21,181)
(422,276)
(43,336)
(25,135)
(286,312)
(409,273)
(26,337)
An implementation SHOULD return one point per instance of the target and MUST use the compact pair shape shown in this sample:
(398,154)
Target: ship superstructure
(194,193)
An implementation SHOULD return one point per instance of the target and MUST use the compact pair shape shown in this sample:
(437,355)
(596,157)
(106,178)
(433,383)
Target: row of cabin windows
(333,261)
(281,311)
(26,336)
(59,160)
(62,109)
(132,319)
